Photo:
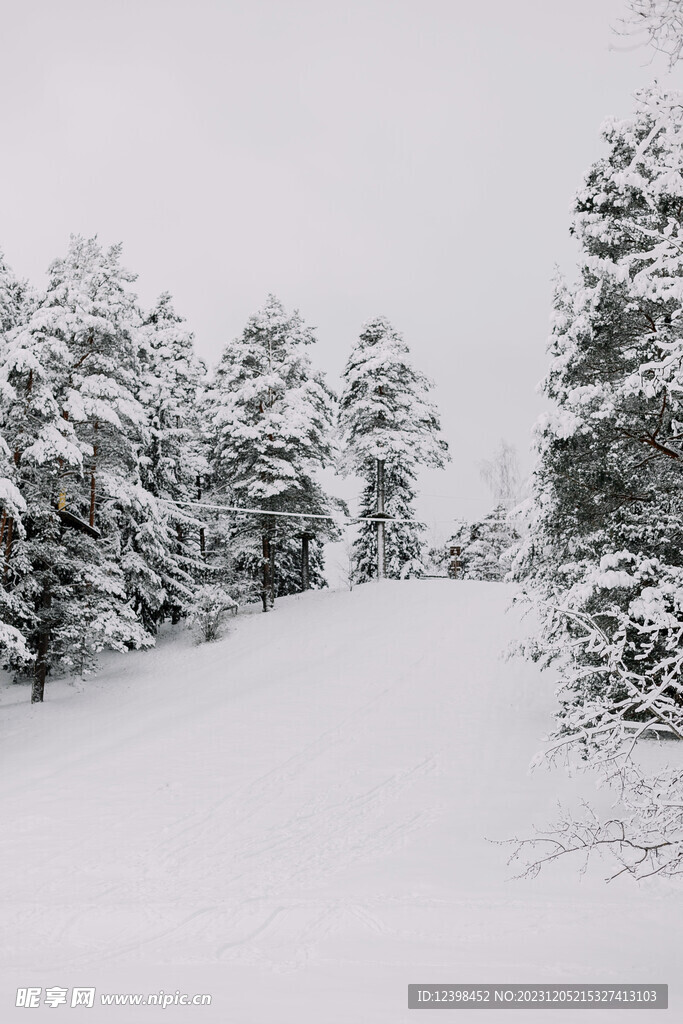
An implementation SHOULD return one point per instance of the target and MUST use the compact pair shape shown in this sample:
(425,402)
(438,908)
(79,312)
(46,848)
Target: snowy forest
(139,486)
(126,465)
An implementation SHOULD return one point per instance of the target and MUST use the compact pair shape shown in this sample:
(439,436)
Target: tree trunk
(40,669)
(381,544)
(305,575)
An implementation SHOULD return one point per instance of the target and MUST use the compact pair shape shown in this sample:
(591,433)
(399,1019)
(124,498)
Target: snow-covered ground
(295,820)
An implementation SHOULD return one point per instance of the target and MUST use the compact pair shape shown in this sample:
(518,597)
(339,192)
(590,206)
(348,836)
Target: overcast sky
(411,158)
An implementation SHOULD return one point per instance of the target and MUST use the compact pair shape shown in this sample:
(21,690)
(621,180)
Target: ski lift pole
(271,571)
(381,542)
(305,559)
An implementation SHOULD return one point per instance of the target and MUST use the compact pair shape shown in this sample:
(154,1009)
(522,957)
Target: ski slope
(295,820)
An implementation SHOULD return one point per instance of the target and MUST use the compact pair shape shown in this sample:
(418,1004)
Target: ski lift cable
(294,515)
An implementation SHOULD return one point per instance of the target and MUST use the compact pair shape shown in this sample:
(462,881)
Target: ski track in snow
(310,795)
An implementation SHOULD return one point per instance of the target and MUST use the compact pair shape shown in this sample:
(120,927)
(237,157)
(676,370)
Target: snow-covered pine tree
(72,423)
(172,462)
(391,429)
(604,556)
(94,310)
(15,298)
(14,612)
(272,428)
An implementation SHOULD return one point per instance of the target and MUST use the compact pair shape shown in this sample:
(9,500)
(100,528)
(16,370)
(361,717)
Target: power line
(454,497)
(295,515)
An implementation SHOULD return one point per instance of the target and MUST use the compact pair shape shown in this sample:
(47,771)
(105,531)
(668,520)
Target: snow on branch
(657,23)
(644,839)
(604,727)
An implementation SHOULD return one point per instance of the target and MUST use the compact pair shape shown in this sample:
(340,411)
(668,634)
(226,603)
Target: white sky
(411,158)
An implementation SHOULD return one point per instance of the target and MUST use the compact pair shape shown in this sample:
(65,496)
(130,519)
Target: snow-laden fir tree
(604,556)
(42,447)
(272,428)
(120,381)
(72,422)
(390,429)
(15,298)
(14,612)
(44,565)
(92,306)
(172,462)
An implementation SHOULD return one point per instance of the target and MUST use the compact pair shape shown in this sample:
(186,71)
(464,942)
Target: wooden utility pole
(381,542)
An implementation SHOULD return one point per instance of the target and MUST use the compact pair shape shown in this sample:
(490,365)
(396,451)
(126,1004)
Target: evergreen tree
(607,482)
(390,430)
(14,612)
(604,556)
(15,298)
(271,423)
(71,420)
(95,312)
(172,464)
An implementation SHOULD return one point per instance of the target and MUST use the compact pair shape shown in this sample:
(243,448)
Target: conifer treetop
(385,412)
(271,412)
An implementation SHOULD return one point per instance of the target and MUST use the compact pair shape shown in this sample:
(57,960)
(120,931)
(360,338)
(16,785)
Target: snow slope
(295,820)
